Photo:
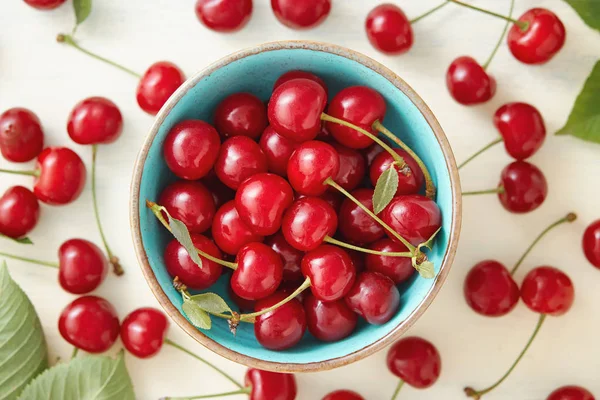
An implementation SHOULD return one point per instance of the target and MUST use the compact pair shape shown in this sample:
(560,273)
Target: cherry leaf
(197,316)
(23,240)
(588,10)
(82,8)
(426,270)
(211,303)
(385,189)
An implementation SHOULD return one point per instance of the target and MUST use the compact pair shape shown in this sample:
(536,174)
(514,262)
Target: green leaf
(24,240)
(83,378)
(197,316)
(181,233)
(426,270)
(385,189)
(588,10)
(82,8)
(584,120)
(211,303)
(23,353)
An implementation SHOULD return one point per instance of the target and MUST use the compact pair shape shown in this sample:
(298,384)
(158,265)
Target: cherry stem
(30,260)
(246,390)
(68,39)
(429,185)
(34,173)
(570,217)
(498,190)
(331,240)
(434,9)
(483,150)
(74,353)
(521,24)
(477,394)
(400,384)
(510,13)
(112,259)
(197,357)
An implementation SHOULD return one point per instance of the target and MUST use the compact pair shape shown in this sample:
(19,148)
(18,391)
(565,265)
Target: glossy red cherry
(277,149)
(243,304)
(544,37)
(239,159)
(389,30)
(95,120)
(416,361)
(82,266)
(21,135)
(291,257)
(224,15)
(398,269)
(352,167)
(220,193)
(259,272)
(371,152)
(44,4)
(281,328)
(522,128)
(490,289)
(307,222)
(191,203)
(19,212)
(268,385)
(547,290)
(179,263)
(591,243)
(191,149)
(157,84)
(230,232)
(241,114)
(61,176)
(343,395)
(468,82)
(525,187)
(310,165)
(295,109)
(143,332)
(359,105)
(301,14)
(355,224)
(89,323)
(408,183)
(330,270)
(571,393)
(374,297)
(298,74)
(329,321)
(416,218)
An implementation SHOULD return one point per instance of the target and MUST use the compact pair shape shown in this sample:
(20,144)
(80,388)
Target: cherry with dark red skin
(307,222)
(229,232)
(547,290)
(371,152)
(490,290)
(191,148)
(352,167)
(290,256)
(21,135)
(329,321)
(281,328)
(591,243)
(389,30)
(298,74)
(468,82)
(398,269)
(522,129)
(330,270)
(61,176)
(268,385)
(332,197)
(243,304)
(143,332)
(358,259)
(179,263)
(19,212)
(524,187)
(301,14)
(374,297)
(224,15)
(416,218)
(239,159)
(157,84)
(361,106)
(343,395)
(191,203)
(95,120)
(241,114)
(295,109)
(416,361)
(544,37)
(310,165)
(89,323)
(355,224)
(44,4)
(277,149)
(571,392)
(408,183)
(259,272)
(220,193)
(82,266)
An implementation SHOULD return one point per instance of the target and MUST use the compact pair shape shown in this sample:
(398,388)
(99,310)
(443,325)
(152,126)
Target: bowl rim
(367,350)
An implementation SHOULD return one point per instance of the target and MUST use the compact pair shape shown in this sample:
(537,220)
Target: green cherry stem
(482,150)
(30,260)
(491,57)
(434,9)
(74,352)
(498,190)
(522,25)
(336,242)
(34,173)
(400,384)
(246,390)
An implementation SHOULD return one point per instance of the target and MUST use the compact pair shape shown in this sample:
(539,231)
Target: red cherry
(343,395)
(358,259)
(410,183)
(371,152)
(548,290)
(224,15)
(19,212)
(544,37)
(374,297)
(221,194)
(361,106)
(270,385)
(143,332)
(522,128)
(191,203)
(297,74)
(290,256)
(355,224)
(243,304)
(89,323)
(295,109)
(281,328)
(329,321)
(310,165)
(191,149)
(157,84)
(95,120)
(330,270)
(416,361)
(416,218)
(277,149)
(352,167)
(239,159)
(230,232)
(389,30)
(571,393)
(82,266)
(468,82)
(301,14)
(398,269)
(44,4)
(241,114)
(307,222)
(490,289)
(590,242)
(179,263)
(332,197)
(259,272)
(525,187)
(21,135)
(61,176)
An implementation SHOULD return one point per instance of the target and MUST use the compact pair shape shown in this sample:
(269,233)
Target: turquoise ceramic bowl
(255,70)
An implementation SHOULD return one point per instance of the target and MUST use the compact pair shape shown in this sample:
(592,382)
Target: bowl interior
(256,73)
